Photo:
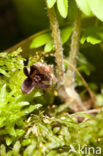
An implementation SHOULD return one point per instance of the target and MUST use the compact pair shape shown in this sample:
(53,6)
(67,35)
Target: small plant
(46,106)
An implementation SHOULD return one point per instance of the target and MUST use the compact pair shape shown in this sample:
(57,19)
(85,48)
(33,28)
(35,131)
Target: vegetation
(67,119)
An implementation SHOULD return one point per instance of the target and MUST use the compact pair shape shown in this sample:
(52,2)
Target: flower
(39,76)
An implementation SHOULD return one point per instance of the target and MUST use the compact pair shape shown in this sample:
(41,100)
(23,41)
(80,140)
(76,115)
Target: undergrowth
(31,125)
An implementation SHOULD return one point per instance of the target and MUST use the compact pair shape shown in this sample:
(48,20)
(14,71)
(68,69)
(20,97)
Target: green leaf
(96,7)
(51,3)
(32,108)
(84,6)
(20,132)
(63,7)
(65,34)
(26,142)
(16,148)
(23,103)
(91,39)
(93,35)
(29,150)
(2,150)
(48,47)
(40,40)
(8,141)
(11,130)
(3,95)
(4,72)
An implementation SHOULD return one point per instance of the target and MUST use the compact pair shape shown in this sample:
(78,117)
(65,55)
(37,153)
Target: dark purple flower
(39,76)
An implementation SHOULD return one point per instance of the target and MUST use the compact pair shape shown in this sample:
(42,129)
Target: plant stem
(76,103)
(92,95)
(63,90)
(70,75)
(58,46)
(58,55)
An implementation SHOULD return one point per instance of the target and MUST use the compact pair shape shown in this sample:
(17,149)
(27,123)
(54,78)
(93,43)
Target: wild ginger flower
(39,76)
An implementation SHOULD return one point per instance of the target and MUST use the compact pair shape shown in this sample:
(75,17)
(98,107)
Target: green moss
(26,131)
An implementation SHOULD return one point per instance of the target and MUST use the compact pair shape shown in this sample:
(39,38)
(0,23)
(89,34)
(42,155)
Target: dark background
(19,19)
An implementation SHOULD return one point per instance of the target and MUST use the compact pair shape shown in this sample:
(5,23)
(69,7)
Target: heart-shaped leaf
(84,6)
(96,7)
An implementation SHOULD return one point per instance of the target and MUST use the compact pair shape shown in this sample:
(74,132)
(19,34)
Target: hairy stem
(76,103)
(63,90)
(58,46)
(70,76)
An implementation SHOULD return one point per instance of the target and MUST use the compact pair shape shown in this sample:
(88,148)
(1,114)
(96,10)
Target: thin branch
(26,42)
(93,111)
(30,38)
(88,112)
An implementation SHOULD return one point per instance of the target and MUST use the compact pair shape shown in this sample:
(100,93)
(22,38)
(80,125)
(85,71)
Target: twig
(87,112)
(92,111)
(26,42)
(29,39)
